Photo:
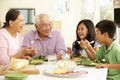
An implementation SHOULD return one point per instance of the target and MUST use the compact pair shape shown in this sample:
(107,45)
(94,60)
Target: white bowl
(69,65)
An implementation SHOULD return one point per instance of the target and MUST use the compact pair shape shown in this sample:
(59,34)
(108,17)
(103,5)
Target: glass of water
(65,56)
(52,58)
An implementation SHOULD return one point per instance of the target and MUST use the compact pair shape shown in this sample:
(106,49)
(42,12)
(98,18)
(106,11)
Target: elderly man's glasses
(46,25)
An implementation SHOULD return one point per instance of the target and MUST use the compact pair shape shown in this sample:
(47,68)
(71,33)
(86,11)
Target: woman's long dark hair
(91,32)
(12,14)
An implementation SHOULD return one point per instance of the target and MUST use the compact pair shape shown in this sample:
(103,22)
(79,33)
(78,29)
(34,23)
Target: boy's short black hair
(107,26)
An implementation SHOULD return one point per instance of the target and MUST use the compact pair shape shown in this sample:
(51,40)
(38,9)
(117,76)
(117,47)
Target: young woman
(85,33)
(11,39)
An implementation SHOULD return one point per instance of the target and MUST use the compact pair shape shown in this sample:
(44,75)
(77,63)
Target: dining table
(93,73)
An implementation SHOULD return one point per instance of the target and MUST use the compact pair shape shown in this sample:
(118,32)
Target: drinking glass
(65,56)
(52,58)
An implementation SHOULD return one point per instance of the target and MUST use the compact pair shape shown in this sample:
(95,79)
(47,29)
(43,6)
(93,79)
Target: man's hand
(59,56)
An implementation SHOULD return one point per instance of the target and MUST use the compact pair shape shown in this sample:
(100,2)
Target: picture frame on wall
(28,13)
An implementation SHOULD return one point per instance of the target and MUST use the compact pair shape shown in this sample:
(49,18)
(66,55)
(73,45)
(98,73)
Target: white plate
(75,73)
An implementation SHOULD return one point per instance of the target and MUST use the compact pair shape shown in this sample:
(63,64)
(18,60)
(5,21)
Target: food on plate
(64,67)
(88,62)
(36,61)
(17,64)
(41,58)
(85,62)
(78,57)
(60,71)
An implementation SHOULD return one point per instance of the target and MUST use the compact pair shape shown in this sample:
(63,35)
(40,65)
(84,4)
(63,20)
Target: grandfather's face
(44,27)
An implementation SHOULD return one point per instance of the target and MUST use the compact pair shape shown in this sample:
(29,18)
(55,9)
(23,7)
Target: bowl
(68,65)
(15,76)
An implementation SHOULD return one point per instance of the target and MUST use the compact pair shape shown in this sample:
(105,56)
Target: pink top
(8,45)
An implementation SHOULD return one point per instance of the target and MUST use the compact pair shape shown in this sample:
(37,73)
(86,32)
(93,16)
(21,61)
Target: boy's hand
(101,65)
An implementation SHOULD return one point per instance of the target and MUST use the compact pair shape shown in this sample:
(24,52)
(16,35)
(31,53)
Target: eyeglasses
(46,25)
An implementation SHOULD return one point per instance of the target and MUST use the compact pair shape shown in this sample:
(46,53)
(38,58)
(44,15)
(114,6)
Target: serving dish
(71,74)
(15,76)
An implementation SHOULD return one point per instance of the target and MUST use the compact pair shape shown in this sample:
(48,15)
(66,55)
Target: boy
(110,49)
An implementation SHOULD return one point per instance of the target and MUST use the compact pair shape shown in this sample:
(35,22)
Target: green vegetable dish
(37,60)
(88,62)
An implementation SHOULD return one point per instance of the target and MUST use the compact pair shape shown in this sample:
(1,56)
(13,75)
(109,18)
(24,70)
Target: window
(28,13)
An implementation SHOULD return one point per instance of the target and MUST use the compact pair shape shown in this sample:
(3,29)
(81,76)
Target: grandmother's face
(18,23)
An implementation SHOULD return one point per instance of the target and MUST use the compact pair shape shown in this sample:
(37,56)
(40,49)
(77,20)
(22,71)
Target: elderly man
(44,39)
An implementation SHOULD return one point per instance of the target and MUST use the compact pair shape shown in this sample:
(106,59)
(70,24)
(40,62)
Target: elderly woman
(11,39)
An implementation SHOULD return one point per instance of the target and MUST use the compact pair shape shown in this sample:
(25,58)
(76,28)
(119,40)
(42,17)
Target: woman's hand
(83,44)
(27,57)
(29,51)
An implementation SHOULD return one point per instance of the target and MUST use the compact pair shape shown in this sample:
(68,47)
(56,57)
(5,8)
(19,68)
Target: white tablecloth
(93,74)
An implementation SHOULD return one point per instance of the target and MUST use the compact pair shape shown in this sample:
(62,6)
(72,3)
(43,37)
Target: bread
(17,64)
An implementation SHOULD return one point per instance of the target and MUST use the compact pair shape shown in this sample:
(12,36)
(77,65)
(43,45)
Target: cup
(65,56)
(52,58)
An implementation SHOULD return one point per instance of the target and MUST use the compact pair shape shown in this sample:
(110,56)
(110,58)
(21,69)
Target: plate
(75,73)
(88,63)
(15,76)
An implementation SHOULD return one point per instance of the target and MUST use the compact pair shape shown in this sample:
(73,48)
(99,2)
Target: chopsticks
(90,42)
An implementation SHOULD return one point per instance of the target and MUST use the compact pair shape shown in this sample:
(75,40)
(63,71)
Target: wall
(68,20)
